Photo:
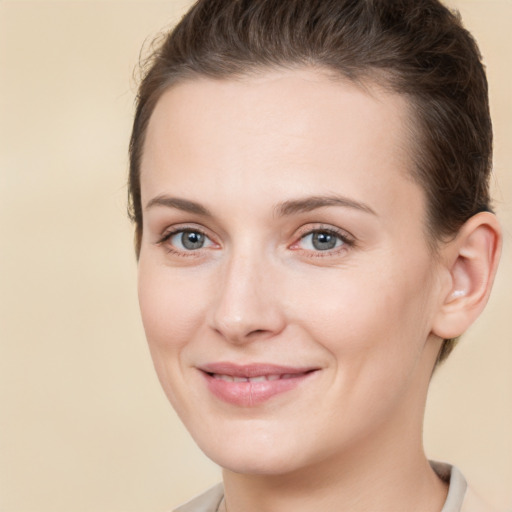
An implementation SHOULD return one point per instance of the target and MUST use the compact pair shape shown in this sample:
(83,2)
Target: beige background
(84,425)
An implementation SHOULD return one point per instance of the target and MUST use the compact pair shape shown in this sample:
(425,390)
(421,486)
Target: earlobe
(471,260)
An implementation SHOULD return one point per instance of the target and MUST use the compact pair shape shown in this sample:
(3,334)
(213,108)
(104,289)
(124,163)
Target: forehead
(288,128)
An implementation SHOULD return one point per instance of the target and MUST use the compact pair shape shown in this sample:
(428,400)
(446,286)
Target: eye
(187,240)
(321,241)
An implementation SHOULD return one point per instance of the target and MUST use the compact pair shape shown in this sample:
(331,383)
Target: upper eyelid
(319,227)
(176,228)
(173,230)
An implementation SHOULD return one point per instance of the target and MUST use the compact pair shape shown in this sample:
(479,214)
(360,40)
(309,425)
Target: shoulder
(206,502)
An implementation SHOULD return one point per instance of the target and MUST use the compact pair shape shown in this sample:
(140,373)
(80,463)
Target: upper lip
(253,370)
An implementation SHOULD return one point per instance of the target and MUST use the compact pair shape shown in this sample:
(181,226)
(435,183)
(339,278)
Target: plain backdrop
(84,425)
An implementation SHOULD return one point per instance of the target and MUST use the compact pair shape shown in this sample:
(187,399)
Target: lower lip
(250,394)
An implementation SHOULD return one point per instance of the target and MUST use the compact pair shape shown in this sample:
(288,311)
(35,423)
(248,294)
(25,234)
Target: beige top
(460,497)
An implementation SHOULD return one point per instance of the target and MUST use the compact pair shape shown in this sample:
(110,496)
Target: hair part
(416,48)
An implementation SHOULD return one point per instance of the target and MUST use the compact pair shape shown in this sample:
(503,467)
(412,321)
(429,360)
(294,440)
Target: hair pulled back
(418,48)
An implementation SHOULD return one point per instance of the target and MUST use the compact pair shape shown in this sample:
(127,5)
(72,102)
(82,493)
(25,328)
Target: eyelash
(347,241)
(181,229)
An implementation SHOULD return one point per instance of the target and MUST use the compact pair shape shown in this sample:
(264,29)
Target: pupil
(323,241)
(192,240)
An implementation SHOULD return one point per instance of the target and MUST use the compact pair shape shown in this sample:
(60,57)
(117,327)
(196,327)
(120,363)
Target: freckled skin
(259,290)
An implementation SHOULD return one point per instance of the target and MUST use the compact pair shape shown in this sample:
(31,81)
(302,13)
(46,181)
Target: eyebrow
(286,208)
(180,204)
(308,204)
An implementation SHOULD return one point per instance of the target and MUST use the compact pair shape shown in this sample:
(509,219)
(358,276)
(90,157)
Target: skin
(364,314)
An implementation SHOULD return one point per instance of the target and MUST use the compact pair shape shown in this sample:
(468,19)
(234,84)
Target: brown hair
(414,47)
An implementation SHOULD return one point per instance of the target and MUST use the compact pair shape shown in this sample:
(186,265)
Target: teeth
(260,378)
(227,378)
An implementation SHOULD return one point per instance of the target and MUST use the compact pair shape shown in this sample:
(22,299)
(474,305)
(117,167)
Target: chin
(253,455)
(264,464)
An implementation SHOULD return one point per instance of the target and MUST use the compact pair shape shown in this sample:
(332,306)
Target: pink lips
(250,385)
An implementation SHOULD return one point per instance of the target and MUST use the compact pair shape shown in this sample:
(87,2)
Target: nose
(247,304)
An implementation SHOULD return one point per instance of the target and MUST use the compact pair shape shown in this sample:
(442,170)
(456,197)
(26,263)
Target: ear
(470,261)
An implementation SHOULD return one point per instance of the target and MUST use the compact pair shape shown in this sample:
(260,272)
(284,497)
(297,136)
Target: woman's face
(285,282)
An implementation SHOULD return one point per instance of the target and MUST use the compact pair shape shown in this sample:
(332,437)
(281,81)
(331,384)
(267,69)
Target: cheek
(353,303)
(373,322)
(170,306)
(374,329)
(171,314)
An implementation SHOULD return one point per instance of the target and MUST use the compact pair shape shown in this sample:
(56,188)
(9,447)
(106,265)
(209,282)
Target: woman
(309,186)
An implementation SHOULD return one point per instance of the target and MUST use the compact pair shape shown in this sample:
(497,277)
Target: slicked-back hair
(417,48)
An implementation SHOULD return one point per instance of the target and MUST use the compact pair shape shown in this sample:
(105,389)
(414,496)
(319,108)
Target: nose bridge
(247,304)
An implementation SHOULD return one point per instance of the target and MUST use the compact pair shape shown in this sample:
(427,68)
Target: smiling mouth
(259,378)
(252,385)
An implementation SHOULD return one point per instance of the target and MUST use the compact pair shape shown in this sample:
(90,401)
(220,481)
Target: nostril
(258,333)
(240,317)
